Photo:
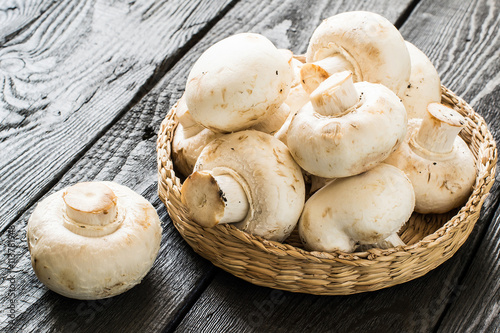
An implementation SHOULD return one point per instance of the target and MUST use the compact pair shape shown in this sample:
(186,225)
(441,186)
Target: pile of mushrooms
(268,141)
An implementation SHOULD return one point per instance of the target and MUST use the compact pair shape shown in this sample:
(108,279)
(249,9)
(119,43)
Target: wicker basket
(431,239)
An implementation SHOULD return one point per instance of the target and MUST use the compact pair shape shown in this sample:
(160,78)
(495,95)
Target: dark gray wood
(71,72)
(125,153)
(476,307)
(462,41)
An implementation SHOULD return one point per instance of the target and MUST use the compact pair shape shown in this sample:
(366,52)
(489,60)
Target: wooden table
(84,87)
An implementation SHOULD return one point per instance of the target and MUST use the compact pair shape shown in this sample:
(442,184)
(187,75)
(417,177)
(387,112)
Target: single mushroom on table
(438,162)
(93,240)
(237,81)
(247,178)
(424,86)
(347,128)
(366,209)
(364,43)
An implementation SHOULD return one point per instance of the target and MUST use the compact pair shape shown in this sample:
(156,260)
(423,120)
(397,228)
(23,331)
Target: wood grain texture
(70,73)
(466,53)
(125,153)
(476,307)
(469,63)
(177,273)
(17,15)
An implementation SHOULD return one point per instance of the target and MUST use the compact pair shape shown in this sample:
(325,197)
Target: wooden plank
(27,306)
(16,15)
(72,72)
(178,275)
(476,304)
(465,53)
(469,64)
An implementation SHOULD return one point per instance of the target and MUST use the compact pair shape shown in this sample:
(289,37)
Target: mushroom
(93,240)
(237,81)
(247,178)
(424,85)
(297,97)
(437,161)
(368,208)
(364,43)
(273,121)
(189,139)
(347,128)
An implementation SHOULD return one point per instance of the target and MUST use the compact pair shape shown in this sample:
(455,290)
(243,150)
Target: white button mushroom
(347,128)
(437,161)
(236,81)
(364,43)
(297,97)
(247,178)
(368,208)
(424,86)
(273,121)
(189,139)
(93,240)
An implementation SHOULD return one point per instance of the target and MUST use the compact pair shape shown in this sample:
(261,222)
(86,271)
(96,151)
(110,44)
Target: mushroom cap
(371,43)
(236,81)
(363,209)
(424,86)
(266,171)
(441,181)
(83,267)
(185,151)
(352,143)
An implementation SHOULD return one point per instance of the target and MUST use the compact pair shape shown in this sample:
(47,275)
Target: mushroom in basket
(247,178)
(364,43)
(367,209)
(438,162)
(93,240)
(347,128)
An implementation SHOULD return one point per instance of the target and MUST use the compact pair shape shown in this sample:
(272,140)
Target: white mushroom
(297,97)
(189,139)
(237,81)
(247,178)
(368,208)
(347,128)
(437,161)
(93,240)
(273,121)
(424,86)
(363,43)
(186,149)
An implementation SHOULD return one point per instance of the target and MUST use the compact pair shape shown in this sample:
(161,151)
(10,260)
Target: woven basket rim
(486,171)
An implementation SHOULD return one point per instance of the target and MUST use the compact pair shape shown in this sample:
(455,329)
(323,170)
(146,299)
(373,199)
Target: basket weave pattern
(431,239)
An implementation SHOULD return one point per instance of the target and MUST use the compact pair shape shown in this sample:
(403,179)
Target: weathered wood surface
(178,275)
(465,53)
(124,152)
(69,73)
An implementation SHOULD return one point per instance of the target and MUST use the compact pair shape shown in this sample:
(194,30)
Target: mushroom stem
(439,129)
(312,74)
(214,199)
(393,241)
(91,209)
(335,95)
(90,203)
(190,126)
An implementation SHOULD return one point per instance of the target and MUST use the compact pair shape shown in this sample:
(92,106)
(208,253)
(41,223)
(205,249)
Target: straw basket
(431,239)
